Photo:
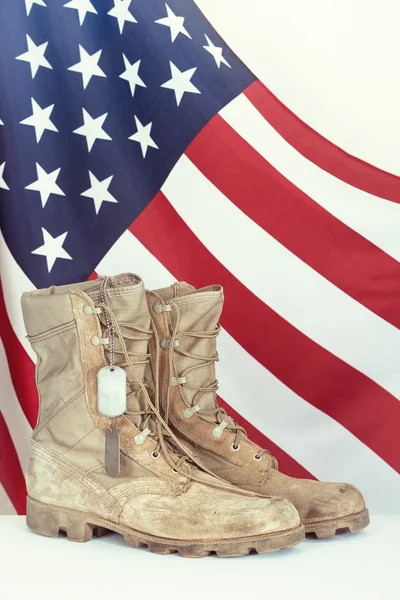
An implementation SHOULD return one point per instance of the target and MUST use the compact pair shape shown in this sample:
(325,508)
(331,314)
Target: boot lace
(223,421)
(175,453)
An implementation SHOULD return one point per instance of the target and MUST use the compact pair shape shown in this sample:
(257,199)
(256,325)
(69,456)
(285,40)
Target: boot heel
(48,520)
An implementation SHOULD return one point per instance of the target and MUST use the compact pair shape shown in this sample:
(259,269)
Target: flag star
(92,129)
(131,74)
(175,24)
(3,184)
(88,66)
(121,13)
(40,119)
(1,122)
(180,82)
(30,3)
(35,56)
(52,248)
(142,136)
(46,184)
(99,191)
(216,53)
(83,7)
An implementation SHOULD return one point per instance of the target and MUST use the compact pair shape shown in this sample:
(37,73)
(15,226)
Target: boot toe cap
(332,501)
(351,501)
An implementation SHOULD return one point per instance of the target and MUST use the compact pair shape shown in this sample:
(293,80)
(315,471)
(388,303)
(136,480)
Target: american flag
(133,139)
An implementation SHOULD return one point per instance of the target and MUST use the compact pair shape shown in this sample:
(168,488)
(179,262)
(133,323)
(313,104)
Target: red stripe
(325,381)
(319,239)
(319,150)
(21,367)
(11,476)
(287,464)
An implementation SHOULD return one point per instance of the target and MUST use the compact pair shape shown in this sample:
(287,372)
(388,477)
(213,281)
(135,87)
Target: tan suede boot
(156,496)
(187,326)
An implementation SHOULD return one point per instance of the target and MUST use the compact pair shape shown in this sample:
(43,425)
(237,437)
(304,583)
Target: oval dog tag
(111,391)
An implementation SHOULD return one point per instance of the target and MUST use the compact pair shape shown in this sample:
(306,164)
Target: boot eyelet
(174,471)
(159,308)
(257,457)
(91,310)
(235,447)
(155,455)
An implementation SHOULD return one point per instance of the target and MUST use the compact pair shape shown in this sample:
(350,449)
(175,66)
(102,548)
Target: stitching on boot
(199,298)
(52,332)
(78,442)
(57,412)
(69,467)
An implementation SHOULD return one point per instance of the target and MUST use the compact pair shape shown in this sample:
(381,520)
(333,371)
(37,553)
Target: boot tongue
(127,299)
(199,310)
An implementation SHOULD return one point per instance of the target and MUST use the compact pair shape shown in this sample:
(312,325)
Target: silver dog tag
(111,391)
(112,453)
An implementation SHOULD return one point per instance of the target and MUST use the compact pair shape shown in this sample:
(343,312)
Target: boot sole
(49,520)
(326,529)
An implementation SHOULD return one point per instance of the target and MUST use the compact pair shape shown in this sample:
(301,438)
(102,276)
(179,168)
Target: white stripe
(284,282)
(14,283)
(372,217)
(6,508)
(129,255)
(318,442)
(17,423)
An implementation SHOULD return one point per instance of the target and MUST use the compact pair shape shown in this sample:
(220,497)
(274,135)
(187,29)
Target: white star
(46,184)
(180,82)
(88,66)
(83,7)
(99,191)
(92,129)
(174,23)
(142,136)
(35,56)
(52,248)
(216,53)
(30,3)
(1,122)
(121,13)
(40,119)
(3,184)
(131,74)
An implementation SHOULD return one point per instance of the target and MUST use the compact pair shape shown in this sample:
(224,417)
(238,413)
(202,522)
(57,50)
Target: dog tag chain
(111,386)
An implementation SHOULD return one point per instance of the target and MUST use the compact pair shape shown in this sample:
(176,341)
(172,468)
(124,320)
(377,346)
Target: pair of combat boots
(130,437)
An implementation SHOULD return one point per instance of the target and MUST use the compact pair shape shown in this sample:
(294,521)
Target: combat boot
(187,326)
(102,458)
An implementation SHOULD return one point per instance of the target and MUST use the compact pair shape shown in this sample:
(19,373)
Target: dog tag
(112,458)
(111,391)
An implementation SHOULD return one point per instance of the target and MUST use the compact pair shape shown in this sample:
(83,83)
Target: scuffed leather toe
(351,500)
(317,500)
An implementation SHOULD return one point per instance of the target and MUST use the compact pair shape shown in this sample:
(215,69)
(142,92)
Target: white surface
(362,566)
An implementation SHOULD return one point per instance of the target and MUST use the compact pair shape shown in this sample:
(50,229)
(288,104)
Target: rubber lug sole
(49,520)
(326,529)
